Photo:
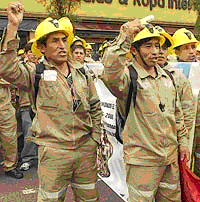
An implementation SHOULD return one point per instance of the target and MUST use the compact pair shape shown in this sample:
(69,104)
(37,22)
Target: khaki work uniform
(151,137)
(186,96)
(67,124)
(197,141)
(8,127)
(29,150)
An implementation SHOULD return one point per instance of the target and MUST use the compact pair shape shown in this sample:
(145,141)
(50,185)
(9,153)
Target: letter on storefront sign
(153,3)
(138,2)
(161,3)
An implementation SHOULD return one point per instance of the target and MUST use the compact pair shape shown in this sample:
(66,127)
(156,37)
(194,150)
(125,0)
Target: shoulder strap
(39,70)
(173,81)
(132,91)
(171,77)
(82,69)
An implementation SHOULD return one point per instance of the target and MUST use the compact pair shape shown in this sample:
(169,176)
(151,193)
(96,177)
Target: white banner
(117,180)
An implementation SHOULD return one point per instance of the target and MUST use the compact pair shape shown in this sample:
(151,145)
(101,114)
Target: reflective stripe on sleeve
(52,195)
(148,195)
(168,186)
(84,186)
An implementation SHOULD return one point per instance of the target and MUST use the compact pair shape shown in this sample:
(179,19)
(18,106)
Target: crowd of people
(51,113)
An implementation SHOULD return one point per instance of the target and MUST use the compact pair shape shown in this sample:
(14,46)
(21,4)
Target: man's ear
(133,50)
(42,48)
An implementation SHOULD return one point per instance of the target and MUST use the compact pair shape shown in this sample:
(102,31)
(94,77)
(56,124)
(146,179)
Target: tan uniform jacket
(151,137)
(5,94)
(55,123)
(186,97)
(24,99)
(197,124)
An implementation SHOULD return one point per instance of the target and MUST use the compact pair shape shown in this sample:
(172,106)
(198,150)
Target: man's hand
(184,152)
(15,12)
(132,28)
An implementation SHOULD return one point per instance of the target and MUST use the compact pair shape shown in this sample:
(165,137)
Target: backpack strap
(132,93)
(171,77)
(39,70)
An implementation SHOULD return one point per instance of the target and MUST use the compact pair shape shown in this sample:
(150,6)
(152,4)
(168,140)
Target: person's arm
(197,124)
(182,132)
(10,67)
(15,12)
(186,99)
(95,110)
(113,60)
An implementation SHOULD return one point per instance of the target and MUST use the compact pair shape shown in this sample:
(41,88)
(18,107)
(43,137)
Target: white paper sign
(50,75)
(108,106)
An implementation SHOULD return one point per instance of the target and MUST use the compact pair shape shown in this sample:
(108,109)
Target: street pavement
(25,190)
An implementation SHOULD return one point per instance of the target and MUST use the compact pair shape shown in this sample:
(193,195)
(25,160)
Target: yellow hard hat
(20,52)
(88,46)
(50,25)
(105,45)
(198,47)
(183,36)
(76,38)
(165,34)
(149,32)
(100,48)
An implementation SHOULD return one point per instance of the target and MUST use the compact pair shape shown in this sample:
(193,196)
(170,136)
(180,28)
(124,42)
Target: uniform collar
(142,73)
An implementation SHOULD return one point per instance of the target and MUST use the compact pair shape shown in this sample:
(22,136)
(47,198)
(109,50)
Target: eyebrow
(64,37)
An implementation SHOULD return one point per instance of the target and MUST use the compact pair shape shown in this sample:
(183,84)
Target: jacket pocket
(48,97)
(147,102)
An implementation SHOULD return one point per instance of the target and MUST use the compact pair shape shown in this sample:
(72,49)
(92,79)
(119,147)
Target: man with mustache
(67,124)
(154,127)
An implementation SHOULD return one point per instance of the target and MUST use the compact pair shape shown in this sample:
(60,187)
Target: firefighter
(185,45)
(183,85)
(8,131)
(67,124)
(28,153)
(154,127)
(88,50)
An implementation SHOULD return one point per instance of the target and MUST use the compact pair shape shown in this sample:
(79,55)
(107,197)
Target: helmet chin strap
(142,57)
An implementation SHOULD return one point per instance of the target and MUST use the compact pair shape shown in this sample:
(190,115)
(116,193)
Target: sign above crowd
(163,10)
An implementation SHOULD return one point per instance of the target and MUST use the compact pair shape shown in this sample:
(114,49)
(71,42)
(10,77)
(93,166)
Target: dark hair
(167,43)
(177,48)
(27,47)
(137,44)
(43,40)
(74,47)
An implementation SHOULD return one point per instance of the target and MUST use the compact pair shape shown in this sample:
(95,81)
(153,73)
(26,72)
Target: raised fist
(15,12)
(132,28)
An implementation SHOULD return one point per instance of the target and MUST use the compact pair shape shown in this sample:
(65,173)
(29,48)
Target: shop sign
(170,4)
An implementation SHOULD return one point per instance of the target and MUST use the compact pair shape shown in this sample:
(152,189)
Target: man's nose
(61,44)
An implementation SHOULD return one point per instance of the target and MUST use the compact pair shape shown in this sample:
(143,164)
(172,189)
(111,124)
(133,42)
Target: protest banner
(117,180)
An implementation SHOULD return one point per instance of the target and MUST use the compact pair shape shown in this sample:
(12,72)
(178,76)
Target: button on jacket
(56,124)
(151,136)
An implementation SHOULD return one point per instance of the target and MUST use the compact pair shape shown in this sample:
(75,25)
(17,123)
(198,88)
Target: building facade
(100,20)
